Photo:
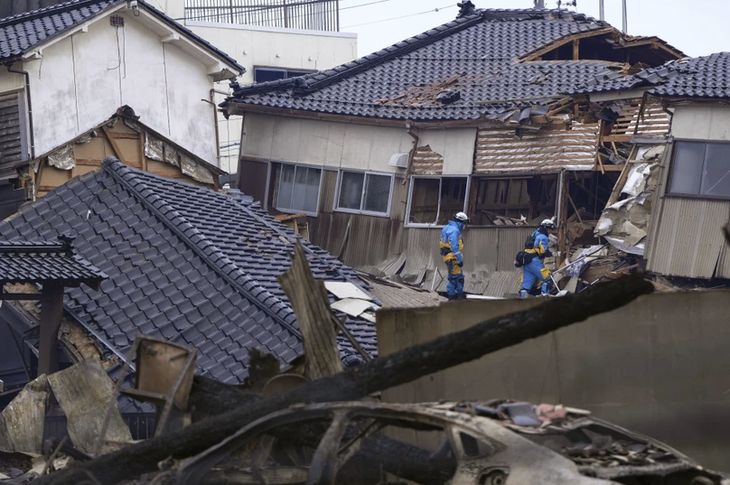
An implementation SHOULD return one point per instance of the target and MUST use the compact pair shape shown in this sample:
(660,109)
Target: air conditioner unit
(399,160)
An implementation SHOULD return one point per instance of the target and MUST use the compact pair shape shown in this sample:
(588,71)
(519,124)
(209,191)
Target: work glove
(461,264)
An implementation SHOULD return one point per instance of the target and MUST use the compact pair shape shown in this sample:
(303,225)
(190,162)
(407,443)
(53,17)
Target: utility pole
(601,9)
(625,17)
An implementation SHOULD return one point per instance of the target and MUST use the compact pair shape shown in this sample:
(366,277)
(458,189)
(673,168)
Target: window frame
(435,224)
(336,203)
(670,174)
(299,72)
(275,200)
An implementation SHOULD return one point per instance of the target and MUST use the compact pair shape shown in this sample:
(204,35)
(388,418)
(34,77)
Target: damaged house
(67,68)
(673,198)
(471,116)
(182,263)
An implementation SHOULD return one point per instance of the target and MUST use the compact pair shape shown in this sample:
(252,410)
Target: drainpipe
(411,155)
(215,124)
(30,107)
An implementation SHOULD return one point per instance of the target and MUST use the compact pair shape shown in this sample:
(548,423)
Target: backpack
(530,241)
(523,259)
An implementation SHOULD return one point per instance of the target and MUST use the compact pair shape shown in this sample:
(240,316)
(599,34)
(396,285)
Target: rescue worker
(535,271)
(451,245)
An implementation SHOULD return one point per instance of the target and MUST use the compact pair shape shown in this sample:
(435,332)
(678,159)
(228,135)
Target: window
(265,74)
(502,201)
(296,188)
(701,169)
(436,200)
(364,192)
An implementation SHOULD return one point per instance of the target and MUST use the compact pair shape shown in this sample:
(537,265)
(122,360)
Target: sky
(696,27)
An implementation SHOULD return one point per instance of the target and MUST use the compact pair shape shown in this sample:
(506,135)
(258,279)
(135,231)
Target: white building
(271,42)
(68,67)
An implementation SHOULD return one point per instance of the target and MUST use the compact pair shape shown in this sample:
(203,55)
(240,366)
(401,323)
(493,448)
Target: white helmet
(548,223)
(461,217)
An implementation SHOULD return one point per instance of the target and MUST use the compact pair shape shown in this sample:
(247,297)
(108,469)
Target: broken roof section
(697,77)
(186,264)
(482,65)
(46,261)
(21,34)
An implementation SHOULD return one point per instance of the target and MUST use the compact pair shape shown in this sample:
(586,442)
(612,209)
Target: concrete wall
(656,366)
(82,80)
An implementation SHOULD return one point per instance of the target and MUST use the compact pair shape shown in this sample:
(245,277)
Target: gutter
(30,108)
(412,154)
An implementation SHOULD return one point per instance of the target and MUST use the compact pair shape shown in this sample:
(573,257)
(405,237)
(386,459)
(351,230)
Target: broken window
(700,169)
(296,188)
(513,201)
(364,192)
(436,200)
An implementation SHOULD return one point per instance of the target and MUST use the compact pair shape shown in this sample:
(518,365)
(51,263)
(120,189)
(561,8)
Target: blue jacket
(541,244)
(451,237)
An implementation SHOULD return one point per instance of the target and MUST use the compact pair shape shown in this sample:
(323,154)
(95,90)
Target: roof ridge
(42,12)
(224,267)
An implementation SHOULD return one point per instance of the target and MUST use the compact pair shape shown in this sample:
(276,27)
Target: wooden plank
(113,143)
(89,163)
(124,136)
(576,49)
(142,156)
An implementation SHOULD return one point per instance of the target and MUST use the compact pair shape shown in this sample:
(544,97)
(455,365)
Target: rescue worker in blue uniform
(535,271)
(451,245)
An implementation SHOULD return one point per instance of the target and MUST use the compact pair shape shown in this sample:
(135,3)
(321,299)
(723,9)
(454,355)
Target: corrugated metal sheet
(549,149)
(427,162)
(511,241)
(399,200)
(11,146)
(723,265)
(399,296)
(688,238)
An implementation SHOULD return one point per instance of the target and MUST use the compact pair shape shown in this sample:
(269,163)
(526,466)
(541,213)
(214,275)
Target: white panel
(335,144)
(54,97)
(10,81)
(387,141)
(99,66)
(287,137)
(692,122)
(191,118)
(455,145)
(143,83)
(720,124)
(313,145)
(358,143)
(258,136)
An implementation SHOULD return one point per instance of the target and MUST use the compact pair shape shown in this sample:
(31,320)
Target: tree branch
(355,383)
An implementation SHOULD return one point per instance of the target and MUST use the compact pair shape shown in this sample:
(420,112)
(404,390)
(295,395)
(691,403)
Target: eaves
(234,108)
(218,66)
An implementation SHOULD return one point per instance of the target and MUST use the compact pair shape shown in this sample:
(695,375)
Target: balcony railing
(288,14)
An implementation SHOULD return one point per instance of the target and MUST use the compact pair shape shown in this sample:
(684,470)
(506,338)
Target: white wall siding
(701,122)
(83,79)
(10,81)
(455,145)
(323,143)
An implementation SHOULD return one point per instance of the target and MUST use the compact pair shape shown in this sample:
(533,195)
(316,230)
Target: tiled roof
(476,55)
(43,262)
(185,263)
(23,32)
(698,77)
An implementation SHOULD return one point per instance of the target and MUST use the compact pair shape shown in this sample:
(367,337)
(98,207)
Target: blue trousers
(530,275)
(455,288)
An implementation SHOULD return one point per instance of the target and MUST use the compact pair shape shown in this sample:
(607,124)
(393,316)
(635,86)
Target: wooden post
(576,50)
(562,218)
(51,314)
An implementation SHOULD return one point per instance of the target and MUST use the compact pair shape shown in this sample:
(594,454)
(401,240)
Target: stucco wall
(83,79)
(656,366)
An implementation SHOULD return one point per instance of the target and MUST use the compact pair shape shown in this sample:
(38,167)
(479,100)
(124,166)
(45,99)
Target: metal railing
(288,14)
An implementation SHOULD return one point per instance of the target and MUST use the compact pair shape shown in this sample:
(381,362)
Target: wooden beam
(576,50)
(531,56)
(142,141)
(20,296)
(114,145)
(51,314)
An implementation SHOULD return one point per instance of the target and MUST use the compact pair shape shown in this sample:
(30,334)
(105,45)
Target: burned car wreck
(496,443)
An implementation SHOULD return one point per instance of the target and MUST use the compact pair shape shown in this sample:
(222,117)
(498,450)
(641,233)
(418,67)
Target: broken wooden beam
(358,382)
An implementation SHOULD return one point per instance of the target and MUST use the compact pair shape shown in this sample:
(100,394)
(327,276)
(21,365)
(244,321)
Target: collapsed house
(186,265)
(673,196)
(471,116)
(67,67)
